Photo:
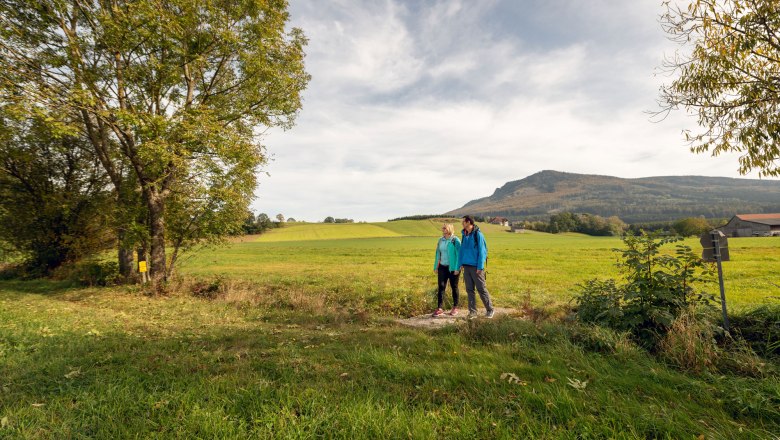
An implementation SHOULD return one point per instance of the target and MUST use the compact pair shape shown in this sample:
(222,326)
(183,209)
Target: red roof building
(752,225)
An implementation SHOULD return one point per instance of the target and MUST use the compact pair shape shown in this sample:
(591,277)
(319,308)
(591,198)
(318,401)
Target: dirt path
(426,321)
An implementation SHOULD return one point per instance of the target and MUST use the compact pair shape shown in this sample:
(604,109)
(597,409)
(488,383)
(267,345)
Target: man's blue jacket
(473,249)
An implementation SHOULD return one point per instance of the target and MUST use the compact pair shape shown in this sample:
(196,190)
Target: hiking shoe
(437,312)
(489,315)
(472,315)
(453,312)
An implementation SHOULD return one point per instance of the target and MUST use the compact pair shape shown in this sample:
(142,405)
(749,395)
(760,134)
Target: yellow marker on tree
(142,266)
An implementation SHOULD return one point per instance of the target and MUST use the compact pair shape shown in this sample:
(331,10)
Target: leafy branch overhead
(729,76)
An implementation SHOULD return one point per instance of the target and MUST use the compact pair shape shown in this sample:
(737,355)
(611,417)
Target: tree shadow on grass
(39,286)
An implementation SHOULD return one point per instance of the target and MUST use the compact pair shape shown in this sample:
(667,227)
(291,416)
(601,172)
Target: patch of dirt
(427,321)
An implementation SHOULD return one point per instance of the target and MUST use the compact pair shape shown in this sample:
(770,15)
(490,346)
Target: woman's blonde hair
(450,228)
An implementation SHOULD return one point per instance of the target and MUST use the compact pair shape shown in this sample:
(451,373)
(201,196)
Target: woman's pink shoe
(438,312)
(453,312)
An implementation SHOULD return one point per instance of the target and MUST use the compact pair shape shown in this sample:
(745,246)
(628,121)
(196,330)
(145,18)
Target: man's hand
(479,271)
(456,272)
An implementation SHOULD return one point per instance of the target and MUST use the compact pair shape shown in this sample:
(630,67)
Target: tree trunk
(125,257)
(156,206)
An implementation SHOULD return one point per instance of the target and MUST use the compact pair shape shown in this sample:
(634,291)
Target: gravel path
(426,321)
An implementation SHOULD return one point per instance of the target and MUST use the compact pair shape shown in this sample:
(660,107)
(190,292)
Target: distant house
(750,225)
(499,221)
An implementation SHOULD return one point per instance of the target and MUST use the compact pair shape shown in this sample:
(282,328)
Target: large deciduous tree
(730,77)
(175,90)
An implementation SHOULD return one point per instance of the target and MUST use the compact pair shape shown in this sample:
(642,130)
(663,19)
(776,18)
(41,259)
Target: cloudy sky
(418,106)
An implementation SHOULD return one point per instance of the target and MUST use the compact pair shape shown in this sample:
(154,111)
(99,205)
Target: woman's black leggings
(444,276)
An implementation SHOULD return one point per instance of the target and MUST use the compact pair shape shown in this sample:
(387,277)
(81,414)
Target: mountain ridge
(634,200)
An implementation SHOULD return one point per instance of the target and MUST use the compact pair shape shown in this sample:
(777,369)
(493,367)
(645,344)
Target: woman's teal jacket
(453,252)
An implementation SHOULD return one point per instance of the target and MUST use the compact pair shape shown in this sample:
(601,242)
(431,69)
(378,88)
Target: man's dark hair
(468,219)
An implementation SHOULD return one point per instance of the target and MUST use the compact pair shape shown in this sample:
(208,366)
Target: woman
(446,266)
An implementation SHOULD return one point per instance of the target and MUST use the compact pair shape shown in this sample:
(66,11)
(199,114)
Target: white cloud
(359,49)
(420,107)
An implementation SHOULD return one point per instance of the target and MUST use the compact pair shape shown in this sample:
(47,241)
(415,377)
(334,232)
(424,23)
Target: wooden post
(716,253)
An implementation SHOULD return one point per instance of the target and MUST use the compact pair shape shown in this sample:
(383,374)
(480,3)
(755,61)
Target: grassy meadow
(360,266)
(291,335)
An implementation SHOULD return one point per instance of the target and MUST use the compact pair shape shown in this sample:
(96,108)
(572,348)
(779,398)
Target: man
(473,256)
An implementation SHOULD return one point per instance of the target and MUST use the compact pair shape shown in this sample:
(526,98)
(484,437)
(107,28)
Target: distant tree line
(418,217)
(330,219)
(583,223)
(477,218)
(254,225)
(685,227)
(612,226)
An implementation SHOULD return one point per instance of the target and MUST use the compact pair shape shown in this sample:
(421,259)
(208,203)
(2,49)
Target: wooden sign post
(715,245)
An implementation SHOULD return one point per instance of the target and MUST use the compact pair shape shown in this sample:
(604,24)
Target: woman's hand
(435,271)
(456,272)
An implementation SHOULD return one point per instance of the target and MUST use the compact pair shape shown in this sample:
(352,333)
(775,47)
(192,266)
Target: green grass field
(300,343)
(353,266)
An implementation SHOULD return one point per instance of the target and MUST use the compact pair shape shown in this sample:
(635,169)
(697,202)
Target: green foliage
(418,217)
(662,228)
(93,273)
(691,226)
(656,288)
(582,223)
(729,78)
(52,195)
(172,96)
(600,302)
(330,219)
(256,225)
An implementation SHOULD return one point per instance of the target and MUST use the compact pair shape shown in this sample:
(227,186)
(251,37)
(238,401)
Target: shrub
(656,288)
(208,289)
(93,273)
(691,226)
(599,302)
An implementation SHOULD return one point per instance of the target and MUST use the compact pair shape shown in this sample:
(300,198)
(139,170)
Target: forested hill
(646,199)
